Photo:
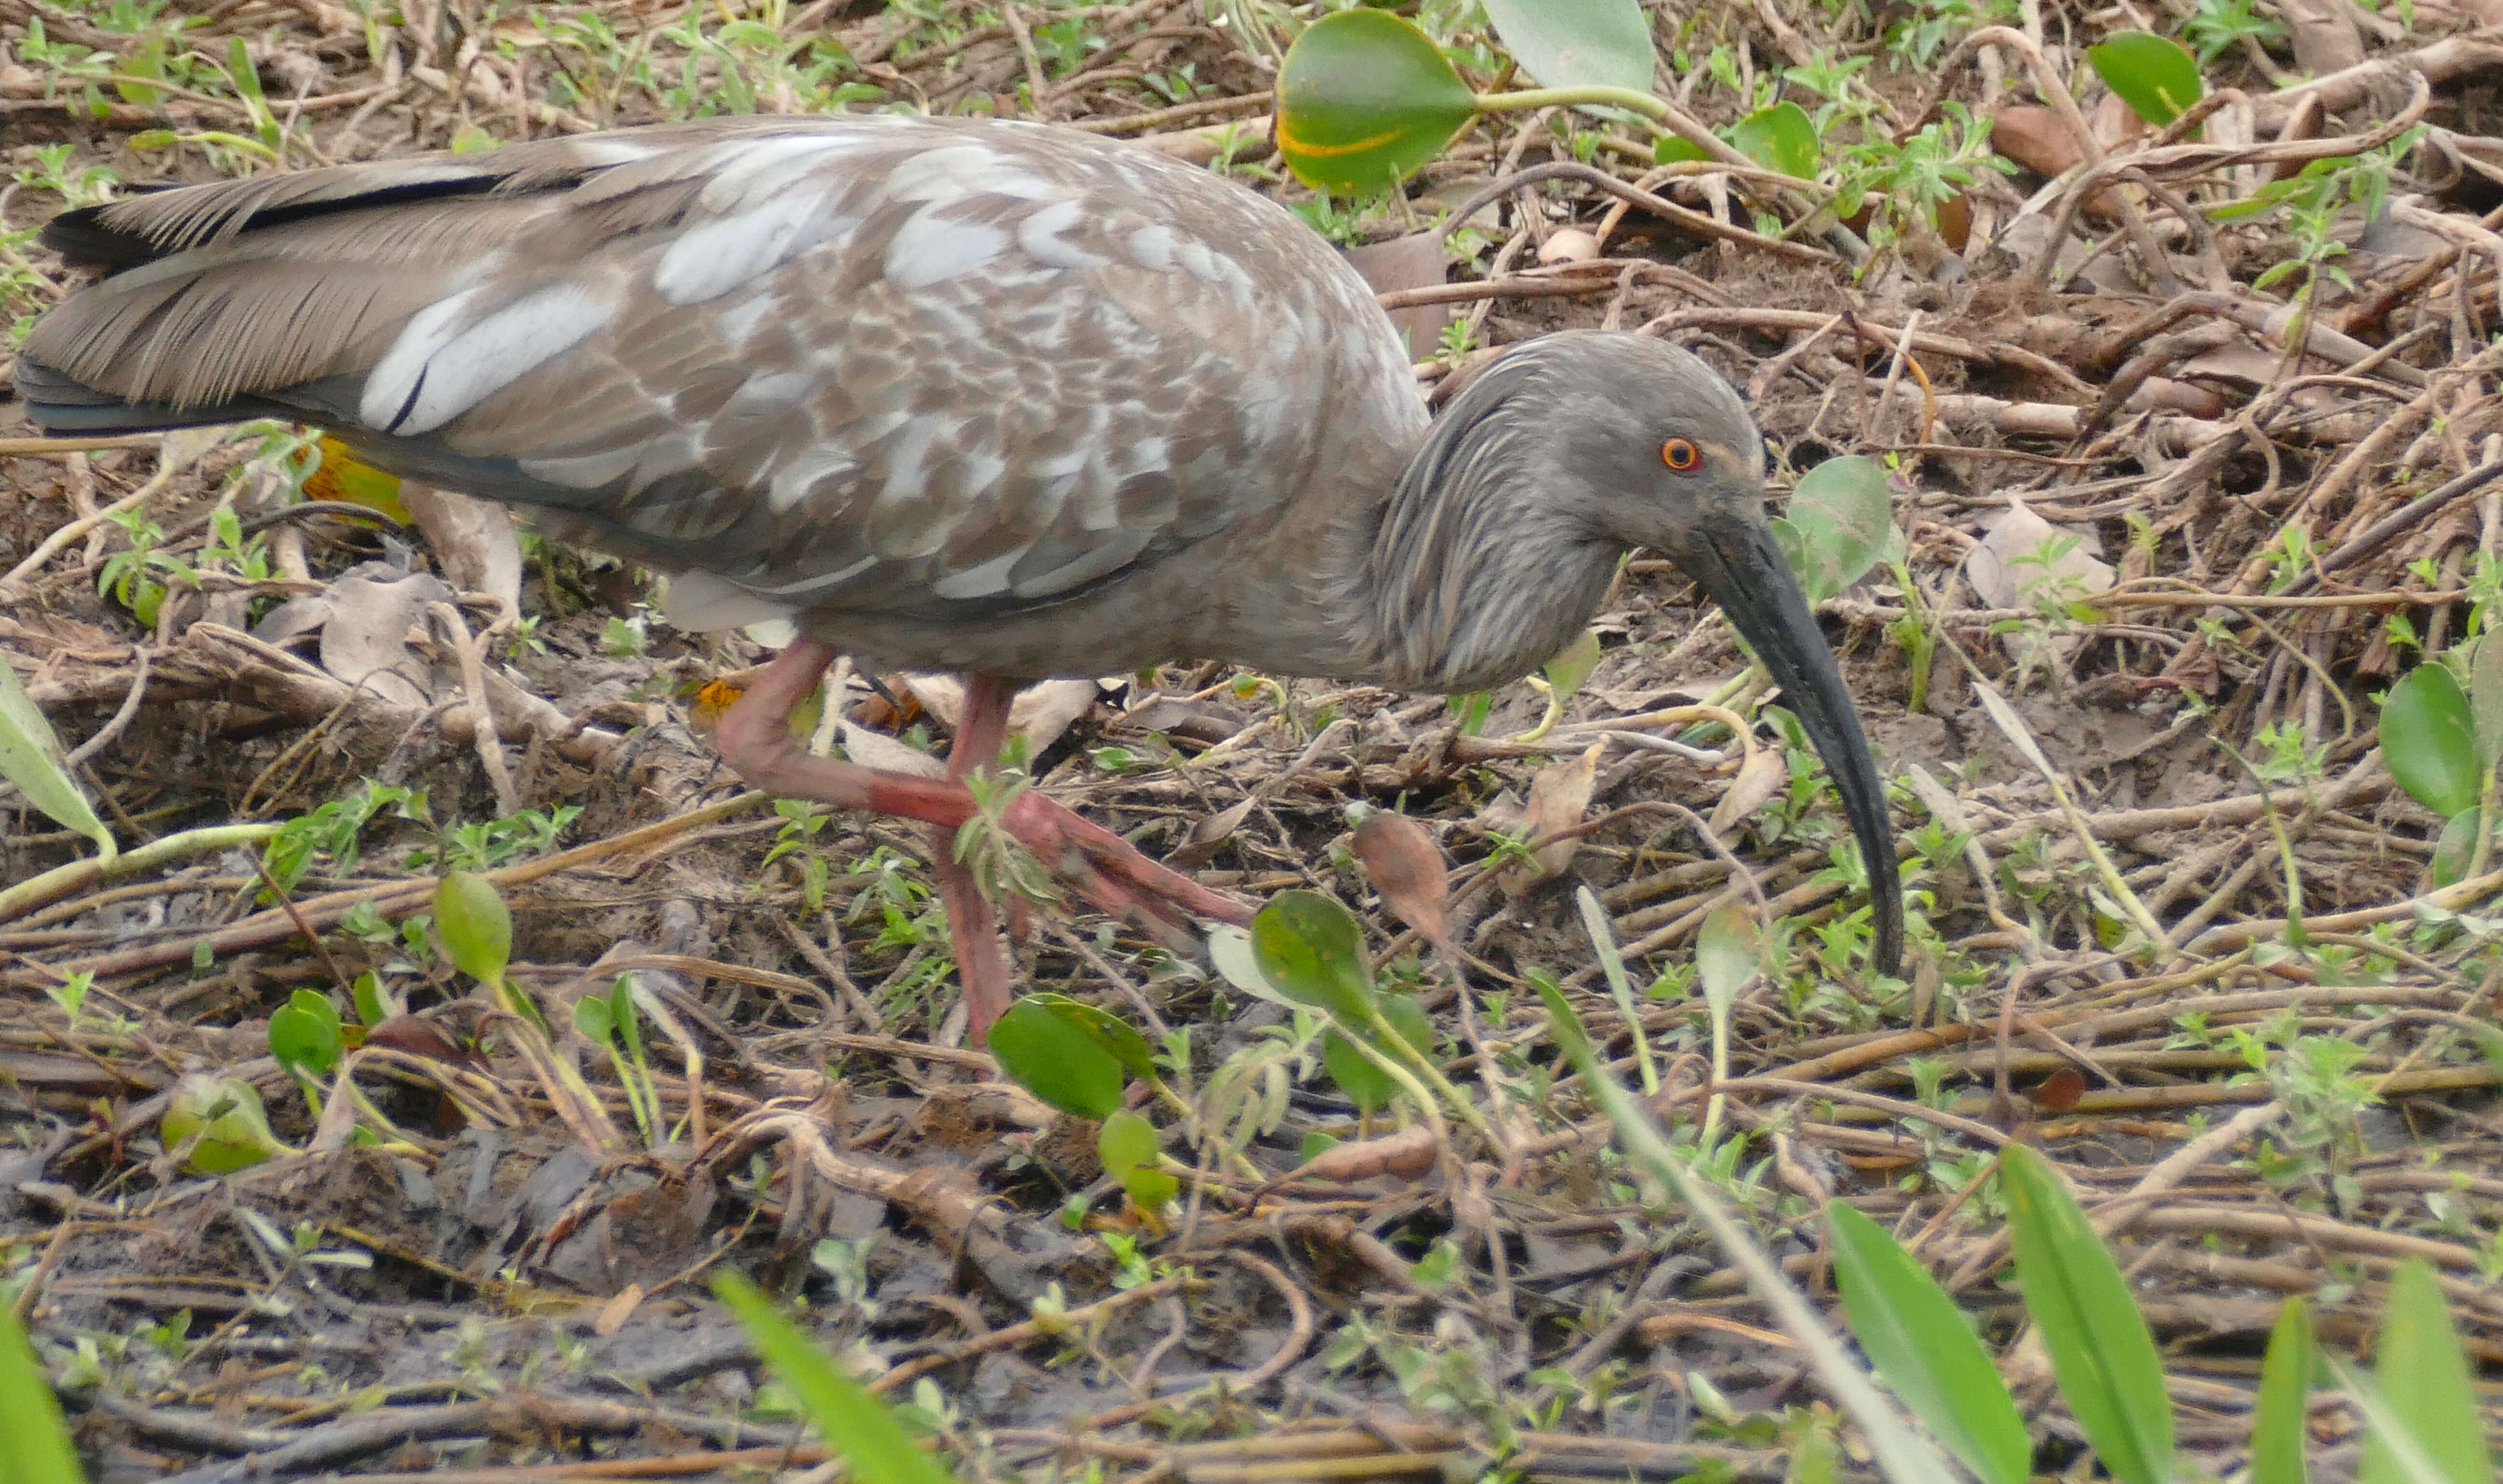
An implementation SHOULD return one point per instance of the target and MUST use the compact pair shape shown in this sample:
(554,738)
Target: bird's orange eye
(1681,456)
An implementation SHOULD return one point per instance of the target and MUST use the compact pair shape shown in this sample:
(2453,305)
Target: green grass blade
(2278,1434)
(1925,1350)
(34,1444)
(2105,1359)
(873,1446)
(2425,1385)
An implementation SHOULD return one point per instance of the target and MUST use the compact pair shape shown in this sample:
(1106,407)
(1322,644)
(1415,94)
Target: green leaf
(478,930)
(592,1019)
(1127,1146)
(1357,1074)
(304,1035)
(2486,700)
(1308,946)
(237,1127)
(32,761)
(1729,953)
(1056,1062)
(1671,148)
(2455,848)
(1116,1036)
(147,62)
(1363,100)
(2157,78)
(1924,1349)
(1568,673)
(1577,42)
(1841,520)
(2279,1435)
(39,1450)
(2425,1383)
(873,1444)
(2428,741)
(1781,138)
(2106,1360)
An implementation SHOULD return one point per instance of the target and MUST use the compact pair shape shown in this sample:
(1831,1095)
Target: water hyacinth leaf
(1363,100)
(478,930)
(2158,79)
(227,1115)
(1783,139)
(2426,1386)
(1577,42)
(1841,521)
(1127,1146)
(1118,1038)
(1729,951)
(1924,1349)
(39,1450)
(1309,947)
(2279,1418)
(32,761)
(2429,742)
(1056,1062)
(2101,1350)
(854,1424)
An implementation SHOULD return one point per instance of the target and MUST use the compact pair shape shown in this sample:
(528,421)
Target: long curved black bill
(1741,565)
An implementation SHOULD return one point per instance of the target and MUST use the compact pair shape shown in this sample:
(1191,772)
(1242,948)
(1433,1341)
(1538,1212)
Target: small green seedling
(1078,1059)
(612,1022)
(2441,741)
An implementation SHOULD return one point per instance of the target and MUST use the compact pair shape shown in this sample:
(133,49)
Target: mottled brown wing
(873,364)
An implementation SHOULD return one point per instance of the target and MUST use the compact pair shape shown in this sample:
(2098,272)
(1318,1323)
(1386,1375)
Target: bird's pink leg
(972,921)
(755,739)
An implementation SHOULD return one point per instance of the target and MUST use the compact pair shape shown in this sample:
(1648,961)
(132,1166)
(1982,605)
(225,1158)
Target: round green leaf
(1056,1062)
(1127,1146)
(1779,138)
(1308,946)
(1363,100)
(592,1019)
(1577,42)
(1924,1349)
(477,931)
(2157,78)
(2429,742)
(1671,148)
(1106,1030)
(2455,848)
(1366,1085)
(1840,520)
(303,1040)
(2101,1352)
(237,1126)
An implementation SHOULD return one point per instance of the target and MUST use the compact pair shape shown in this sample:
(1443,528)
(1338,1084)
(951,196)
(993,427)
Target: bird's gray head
(1559,458)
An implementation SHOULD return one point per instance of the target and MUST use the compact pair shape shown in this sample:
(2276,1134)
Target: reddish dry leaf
(2059,1092)
(1406,867)
(1409,1152)
(616,1311)
(1558,798)
(2035,138)
(1763,776)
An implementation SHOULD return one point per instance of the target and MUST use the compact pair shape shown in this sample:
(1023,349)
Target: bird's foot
(1112,874)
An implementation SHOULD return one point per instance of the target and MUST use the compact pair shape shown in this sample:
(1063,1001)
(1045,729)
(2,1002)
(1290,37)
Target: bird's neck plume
(1481,571)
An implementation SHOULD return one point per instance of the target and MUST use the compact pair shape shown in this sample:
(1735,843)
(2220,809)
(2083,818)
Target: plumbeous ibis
(980,395)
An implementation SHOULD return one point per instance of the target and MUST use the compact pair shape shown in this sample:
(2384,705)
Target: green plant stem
(2482,854)
(1672,121)
(1902,1456)
(79,874)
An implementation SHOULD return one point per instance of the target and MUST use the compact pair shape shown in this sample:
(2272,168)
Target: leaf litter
(2241,523)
